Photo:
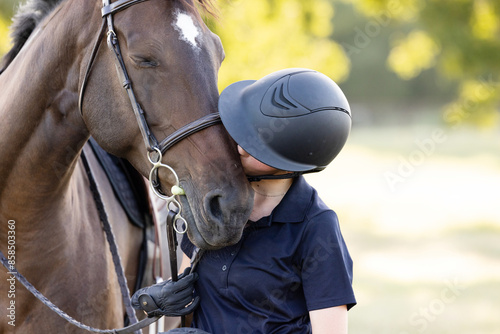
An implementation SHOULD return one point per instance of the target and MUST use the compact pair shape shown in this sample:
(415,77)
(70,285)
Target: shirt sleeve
(187,246)
(326,266)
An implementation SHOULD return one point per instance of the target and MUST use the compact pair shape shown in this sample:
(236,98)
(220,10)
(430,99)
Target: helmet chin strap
(289,175)
(257,178)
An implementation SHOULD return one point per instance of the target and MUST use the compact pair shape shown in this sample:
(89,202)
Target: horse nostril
(213,205)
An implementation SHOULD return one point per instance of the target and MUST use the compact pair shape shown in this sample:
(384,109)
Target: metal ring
(157,151)
(178,216)
(184,223)
(152,183)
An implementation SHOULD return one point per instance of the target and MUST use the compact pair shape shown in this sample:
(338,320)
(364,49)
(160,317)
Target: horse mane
(24,22)
(32,12)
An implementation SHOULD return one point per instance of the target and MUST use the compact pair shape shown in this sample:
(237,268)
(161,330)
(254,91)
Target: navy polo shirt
(284,266)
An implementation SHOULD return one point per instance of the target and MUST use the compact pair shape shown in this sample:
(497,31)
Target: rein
(129,329)
(120,273)
(136,326)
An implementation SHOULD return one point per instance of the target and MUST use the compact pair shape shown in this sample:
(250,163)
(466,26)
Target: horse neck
(42,132)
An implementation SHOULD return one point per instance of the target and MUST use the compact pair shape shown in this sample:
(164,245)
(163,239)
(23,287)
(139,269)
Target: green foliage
(262,36)
(4,41)
(6,11)
(460,38)
(7,8)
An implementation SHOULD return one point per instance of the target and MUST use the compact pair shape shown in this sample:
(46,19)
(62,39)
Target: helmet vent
(280,101)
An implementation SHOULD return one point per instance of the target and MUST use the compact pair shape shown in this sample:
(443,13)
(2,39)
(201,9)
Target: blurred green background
(417,187)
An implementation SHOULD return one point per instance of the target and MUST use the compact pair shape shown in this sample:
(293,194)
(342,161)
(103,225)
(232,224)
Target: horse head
(171,61)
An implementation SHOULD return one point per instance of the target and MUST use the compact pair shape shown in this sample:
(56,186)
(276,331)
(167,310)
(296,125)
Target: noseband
(155,149)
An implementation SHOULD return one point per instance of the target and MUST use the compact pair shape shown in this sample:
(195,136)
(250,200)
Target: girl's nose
(242,152)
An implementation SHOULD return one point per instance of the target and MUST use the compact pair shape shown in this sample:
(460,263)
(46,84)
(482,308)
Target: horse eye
(144,61)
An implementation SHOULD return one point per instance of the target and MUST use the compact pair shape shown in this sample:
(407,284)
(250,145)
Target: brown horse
(172,60)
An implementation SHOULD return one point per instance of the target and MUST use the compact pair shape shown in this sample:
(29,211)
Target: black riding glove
(168,298)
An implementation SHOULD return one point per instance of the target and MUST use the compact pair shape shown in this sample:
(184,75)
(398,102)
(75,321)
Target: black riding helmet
(295,119)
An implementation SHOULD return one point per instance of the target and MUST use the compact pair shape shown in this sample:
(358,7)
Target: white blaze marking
(188,30)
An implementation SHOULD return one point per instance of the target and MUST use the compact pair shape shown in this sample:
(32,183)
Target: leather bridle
(155,148)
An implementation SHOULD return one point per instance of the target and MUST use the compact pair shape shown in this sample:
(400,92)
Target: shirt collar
(293,206)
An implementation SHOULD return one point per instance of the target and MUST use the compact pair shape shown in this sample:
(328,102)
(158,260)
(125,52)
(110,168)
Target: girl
(291,271)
